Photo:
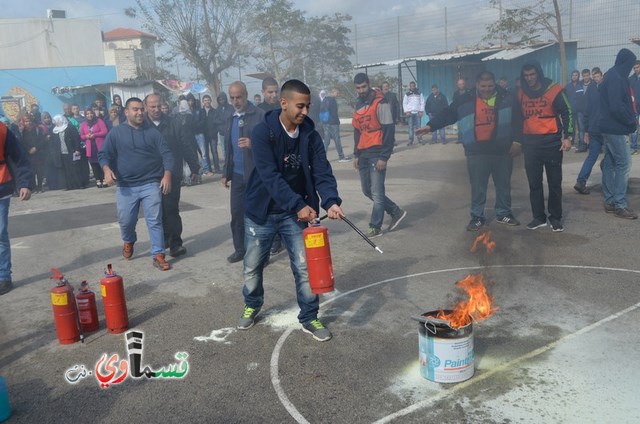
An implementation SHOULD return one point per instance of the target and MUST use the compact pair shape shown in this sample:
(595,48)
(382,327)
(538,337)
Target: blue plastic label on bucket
(5,408)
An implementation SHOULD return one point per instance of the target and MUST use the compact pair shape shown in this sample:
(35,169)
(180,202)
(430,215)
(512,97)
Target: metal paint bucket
(445,353)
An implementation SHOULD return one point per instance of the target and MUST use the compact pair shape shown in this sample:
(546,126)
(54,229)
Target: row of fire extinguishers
(75,315)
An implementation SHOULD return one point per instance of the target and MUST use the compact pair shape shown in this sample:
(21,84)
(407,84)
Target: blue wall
(38,82)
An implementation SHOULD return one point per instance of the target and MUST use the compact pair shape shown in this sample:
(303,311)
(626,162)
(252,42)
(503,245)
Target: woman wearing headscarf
(34,143)
(93,131)
(114,119)
(68,141)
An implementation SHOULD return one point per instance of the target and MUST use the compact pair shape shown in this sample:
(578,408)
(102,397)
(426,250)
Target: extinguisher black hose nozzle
(357,230)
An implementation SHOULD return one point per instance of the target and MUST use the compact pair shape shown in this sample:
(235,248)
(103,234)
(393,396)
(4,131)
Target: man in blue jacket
(21,177)
(291,171)
(617,121)
(592,136)
(486,129)
(137,158)
(634,81)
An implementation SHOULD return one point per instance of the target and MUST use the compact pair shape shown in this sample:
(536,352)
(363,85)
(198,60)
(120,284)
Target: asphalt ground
(562,346)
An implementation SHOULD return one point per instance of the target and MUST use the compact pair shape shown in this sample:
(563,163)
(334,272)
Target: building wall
(50,43)
(128,55)
(34,85)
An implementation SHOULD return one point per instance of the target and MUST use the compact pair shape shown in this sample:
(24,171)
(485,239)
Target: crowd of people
(276,167)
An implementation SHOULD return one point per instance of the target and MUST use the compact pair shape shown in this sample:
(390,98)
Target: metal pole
(355,26)
(446,39)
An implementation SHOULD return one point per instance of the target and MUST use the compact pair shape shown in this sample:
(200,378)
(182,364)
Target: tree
(315,50)
(212,35)
(527,22)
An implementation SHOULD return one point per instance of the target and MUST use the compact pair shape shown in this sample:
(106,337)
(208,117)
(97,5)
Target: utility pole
(355,31)
(446,24)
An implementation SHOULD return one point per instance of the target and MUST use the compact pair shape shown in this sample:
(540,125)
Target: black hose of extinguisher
(357,230)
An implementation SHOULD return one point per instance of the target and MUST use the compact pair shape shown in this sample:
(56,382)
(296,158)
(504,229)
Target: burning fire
(476,308)
(485,238)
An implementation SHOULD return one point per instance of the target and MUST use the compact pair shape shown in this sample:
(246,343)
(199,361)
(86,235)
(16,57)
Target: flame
(476,308)
(485,238)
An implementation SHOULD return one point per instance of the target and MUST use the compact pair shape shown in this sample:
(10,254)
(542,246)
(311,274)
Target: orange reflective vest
(5,174)
(485,123)
(538,114)
(366,121)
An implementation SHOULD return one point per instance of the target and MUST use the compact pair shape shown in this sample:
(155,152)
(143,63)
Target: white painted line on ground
(296,415)
(20,245)
(112,226)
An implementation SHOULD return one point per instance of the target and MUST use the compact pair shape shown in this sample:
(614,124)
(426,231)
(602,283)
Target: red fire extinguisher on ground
(65,311)
(87,309)
(115,305)
(318,252)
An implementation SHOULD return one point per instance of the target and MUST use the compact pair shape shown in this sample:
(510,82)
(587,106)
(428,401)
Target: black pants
(171,221)
(237,212)
(98,173)
(549,160)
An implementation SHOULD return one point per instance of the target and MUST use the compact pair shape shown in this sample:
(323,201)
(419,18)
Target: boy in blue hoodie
(281,197)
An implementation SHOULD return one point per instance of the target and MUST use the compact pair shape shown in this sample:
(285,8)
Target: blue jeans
(257,240)
(372,183)
(595,145)
(615,169)
(499,167)
(332,131)
(413,121)
(434,138)
(128,200)
(204,150)
(5,246)
(581,131)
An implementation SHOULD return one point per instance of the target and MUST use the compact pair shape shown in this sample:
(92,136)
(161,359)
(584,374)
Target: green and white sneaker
(248,318)
(317,330)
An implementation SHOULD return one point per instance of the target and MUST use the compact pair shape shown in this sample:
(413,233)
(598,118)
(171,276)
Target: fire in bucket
(446,336)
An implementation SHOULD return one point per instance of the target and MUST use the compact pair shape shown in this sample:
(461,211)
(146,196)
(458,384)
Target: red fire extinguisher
(65,312)
(318,251)
(87,309)
(115,305)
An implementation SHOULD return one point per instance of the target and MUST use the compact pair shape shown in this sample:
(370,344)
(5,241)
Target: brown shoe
(160,263)
(127,250)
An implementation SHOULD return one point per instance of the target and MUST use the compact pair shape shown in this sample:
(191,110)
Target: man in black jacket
(210,131)
(182,148)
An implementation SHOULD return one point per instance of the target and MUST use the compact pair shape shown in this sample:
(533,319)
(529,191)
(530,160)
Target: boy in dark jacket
(486,130)
(291,179)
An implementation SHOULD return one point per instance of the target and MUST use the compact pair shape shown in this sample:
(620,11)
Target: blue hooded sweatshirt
(267,182)
(616,108)
(137,156)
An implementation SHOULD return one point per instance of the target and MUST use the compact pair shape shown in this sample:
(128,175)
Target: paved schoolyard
(562,346)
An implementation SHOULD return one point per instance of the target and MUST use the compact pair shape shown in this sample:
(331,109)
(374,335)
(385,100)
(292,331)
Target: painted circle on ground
(296,415)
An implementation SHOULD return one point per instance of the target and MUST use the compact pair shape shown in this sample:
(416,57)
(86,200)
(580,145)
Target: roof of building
(492,53)
(126,34)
